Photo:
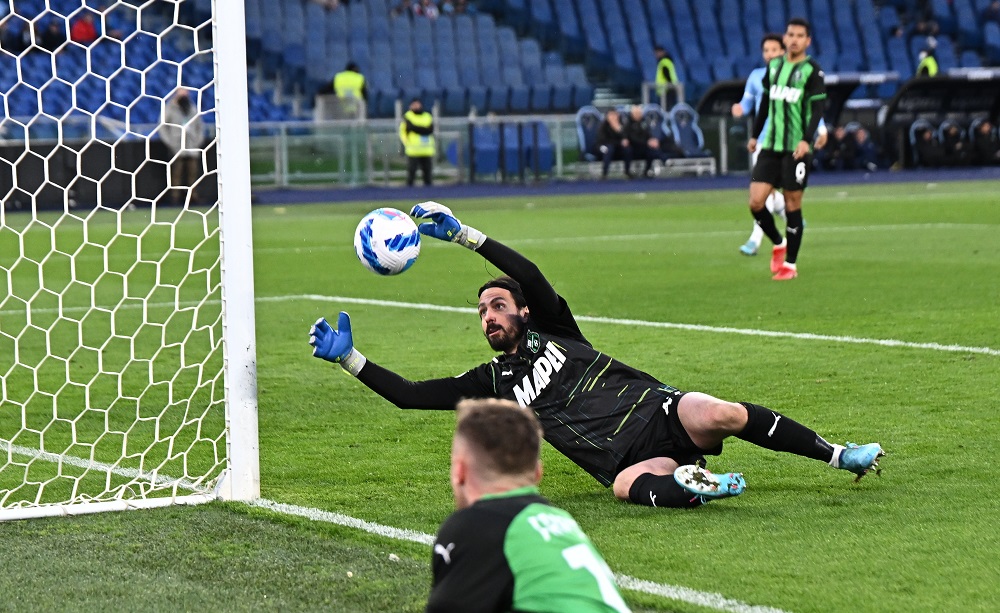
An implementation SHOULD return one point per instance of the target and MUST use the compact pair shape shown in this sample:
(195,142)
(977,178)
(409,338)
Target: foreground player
(771,46)
(507,548)
(618,423)
(793,97)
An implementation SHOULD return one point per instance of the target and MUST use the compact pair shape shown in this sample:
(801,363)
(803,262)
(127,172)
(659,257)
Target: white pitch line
(673,592)
(807,336)
(662,236)
(659,324)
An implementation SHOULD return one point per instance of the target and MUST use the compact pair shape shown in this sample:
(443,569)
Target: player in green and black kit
(627,429)
(794,98)
(507,548)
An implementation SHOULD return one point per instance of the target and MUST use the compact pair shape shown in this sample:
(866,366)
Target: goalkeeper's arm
(337,346)
(538,292)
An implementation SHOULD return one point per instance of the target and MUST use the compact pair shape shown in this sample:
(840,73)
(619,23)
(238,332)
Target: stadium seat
(588,122)
(918,126)
(687,135)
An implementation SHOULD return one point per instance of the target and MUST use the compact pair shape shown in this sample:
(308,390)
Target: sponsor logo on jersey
(549,362)
(788,94)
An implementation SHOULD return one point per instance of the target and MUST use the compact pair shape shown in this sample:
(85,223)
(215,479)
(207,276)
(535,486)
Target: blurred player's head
(771,46)
(797,38)
(496,449)
(503,312)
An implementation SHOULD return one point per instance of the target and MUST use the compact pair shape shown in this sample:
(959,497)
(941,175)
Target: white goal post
(127,342)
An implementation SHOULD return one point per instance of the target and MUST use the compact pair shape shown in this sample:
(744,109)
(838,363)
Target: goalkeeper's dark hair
(508,284)
(505,439)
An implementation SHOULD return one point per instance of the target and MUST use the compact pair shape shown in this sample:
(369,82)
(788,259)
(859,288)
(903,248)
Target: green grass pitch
(916,263)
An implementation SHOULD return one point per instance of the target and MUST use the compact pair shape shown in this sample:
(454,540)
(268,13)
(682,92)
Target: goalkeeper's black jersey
(591,406)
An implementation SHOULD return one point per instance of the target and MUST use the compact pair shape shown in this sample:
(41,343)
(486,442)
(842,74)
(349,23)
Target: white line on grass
(673,592)
(665,235)
(657,324)
(807,336)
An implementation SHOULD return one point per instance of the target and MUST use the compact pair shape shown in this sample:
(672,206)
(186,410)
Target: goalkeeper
(628,430)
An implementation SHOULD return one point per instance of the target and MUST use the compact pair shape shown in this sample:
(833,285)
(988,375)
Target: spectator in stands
(183,132)
(429,9)
(926,28)
(84,29)
(612,143)
(866,153)
(928,66)
(417,135)
(53,36)
(666,75)
(838,150)
(644,145)
(956,149)
(992,12)
(930,153)
(986,144)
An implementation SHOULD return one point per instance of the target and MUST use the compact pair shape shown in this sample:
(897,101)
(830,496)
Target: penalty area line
(672,592)
(709,600)
(806,336)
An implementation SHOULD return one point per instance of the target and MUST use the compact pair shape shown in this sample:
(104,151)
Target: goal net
(127,351)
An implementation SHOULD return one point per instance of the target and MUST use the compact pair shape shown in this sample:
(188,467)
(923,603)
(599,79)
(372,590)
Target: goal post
(127,341)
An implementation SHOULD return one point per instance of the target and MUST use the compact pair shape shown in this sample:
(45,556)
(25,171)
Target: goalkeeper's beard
(509,339)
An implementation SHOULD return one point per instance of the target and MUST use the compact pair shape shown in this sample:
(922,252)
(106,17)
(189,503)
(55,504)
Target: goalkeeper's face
(502,321)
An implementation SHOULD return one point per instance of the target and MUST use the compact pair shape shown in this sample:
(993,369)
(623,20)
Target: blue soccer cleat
(748,248)
(702,482)
(859,459)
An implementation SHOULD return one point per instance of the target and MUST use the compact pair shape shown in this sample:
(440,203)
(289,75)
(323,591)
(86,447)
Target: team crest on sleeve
(534,343)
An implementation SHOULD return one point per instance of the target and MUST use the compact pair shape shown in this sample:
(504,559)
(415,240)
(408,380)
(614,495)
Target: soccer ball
(387,241)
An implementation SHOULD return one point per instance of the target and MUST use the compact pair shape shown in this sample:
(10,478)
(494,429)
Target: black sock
(766,222)
(662,491)
(774,431)
(793,231)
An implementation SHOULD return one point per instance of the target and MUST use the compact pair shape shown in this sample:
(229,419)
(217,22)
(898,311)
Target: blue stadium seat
(918,126)
(583,91)
(541,24)
(991,42)
(571,41)
(588,123)
(941,13)
(254,30)
(687,135)
(485,154)
(539,151)
(970,59)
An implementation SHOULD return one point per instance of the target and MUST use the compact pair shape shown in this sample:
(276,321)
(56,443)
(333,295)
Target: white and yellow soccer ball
(387,241)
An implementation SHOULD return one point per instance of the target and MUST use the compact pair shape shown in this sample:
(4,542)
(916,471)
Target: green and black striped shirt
(794,93)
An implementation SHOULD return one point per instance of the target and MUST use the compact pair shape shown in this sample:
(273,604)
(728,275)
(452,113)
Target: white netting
(111,333)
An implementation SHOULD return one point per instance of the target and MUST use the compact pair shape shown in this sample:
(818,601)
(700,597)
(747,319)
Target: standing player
(507,548)
(621,425)
(793,97)
(771,46)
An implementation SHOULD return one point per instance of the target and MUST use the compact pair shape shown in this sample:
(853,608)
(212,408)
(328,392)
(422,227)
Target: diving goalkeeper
(646,439)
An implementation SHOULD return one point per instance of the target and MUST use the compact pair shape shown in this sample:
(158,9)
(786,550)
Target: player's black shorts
(666,437)
(782,170)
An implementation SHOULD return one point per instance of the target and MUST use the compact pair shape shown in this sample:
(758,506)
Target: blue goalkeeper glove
(336,346)
(445,226)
